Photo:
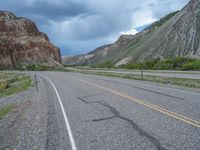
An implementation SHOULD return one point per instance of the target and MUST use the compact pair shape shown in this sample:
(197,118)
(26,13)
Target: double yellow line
(148,105)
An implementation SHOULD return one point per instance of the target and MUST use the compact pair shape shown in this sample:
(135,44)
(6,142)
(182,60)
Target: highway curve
(111,113)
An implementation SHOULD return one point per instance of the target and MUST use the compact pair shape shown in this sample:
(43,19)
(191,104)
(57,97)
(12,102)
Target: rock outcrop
(21,43)
(177,34)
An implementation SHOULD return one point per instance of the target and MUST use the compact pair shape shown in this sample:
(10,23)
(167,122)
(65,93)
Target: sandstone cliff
(21,43)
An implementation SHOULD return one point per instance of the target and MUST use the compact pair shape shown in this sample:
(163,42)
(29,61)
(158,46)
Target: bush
(150,64)
(164,65)
(3,84)
(195,65)
(2,67)
(178,63)
(34,67)
(133,66)
(107,64)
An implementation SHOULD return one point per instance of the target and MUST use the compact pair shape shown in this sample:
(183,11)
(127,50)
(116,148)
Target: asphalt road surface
(104,113)
(164,73)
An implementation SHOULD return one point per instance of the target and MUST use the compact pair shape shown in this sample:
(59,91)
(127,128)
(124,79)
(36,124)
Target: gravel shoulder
(34,122)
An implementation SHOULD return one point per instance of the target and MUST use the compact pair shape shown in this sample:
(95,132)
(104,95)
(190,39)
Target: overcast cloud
(79,26)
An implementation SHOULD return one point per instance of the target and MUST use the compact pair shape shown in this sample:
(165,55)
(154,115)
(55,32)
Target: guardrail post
(36,82)
(142,74)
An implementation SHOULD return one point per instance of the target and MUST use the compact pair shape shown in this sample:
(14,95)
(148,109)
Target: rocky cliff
(177,34)
(22,43)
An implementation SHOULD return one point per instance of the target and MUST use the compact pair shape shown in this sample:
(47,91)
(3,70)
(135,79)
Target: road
(161,74)
(164,73)
(113,113)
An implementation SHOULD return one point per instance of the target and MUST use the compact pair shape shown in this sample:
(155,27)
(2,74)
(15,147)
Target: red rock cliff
(22,43)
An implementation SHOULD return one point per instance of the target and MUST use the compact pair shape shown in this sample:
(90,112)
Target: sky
(79,26)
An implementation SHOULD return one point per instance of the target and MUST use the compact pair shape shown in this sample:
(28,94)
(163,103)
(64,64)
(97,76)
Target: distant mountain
(177,34)
(21,43)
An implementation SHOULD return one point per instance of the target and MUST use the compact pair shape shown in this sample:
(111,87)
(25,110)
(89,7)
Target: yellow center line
(149,105)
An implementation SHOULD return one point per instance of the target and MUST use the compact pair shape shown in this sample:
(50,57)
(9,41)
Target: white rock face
(123,61)
(88,56)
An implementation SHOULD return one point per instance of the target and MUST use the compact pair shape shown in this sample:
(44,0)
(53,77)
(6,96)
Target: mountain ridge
(176,34)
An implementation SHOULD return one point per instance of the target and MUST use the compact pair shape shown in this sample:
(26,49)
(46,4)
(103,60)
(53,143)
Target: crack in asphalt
(116,114)
(102,119)
(94,95)
(181,98)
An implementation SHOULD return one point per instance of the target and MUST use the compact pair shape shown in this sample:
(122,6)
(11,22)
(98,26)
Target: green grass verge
(15,83)
(39,67)
(4,110)
(193,83)
(133,70)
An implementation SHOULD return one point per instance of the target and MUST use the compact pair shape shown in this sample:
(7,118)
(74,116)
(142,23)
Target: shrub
(33,67)
(163,65)
(150,64)
(3,84)
(178,63)
(195,65)
(107,64)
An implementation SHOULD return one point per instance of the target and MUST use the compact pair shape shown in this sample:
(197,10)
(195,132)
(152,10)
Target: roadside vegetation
(4,110)
(38,67)
(13,83)
(34,67)
(178,63)
(193,83)
(107,64)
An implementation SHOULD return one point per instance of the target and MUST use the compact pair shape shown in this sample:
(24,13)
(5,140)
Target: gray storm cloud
(78,26)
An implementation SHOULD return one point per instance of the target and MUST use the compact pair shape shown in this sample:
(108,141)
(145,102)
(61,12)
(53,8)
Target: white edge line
(73,145)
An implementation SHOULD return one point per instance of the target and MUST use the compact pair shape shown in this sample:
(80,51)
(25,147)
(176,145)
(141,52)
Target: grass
(134,70)
(11,83)
(4,110)
(192,83)
(39,67)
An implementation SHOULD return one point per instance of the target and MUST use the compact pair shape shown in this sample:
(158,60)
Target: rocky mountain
(177,34)
(22,43)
